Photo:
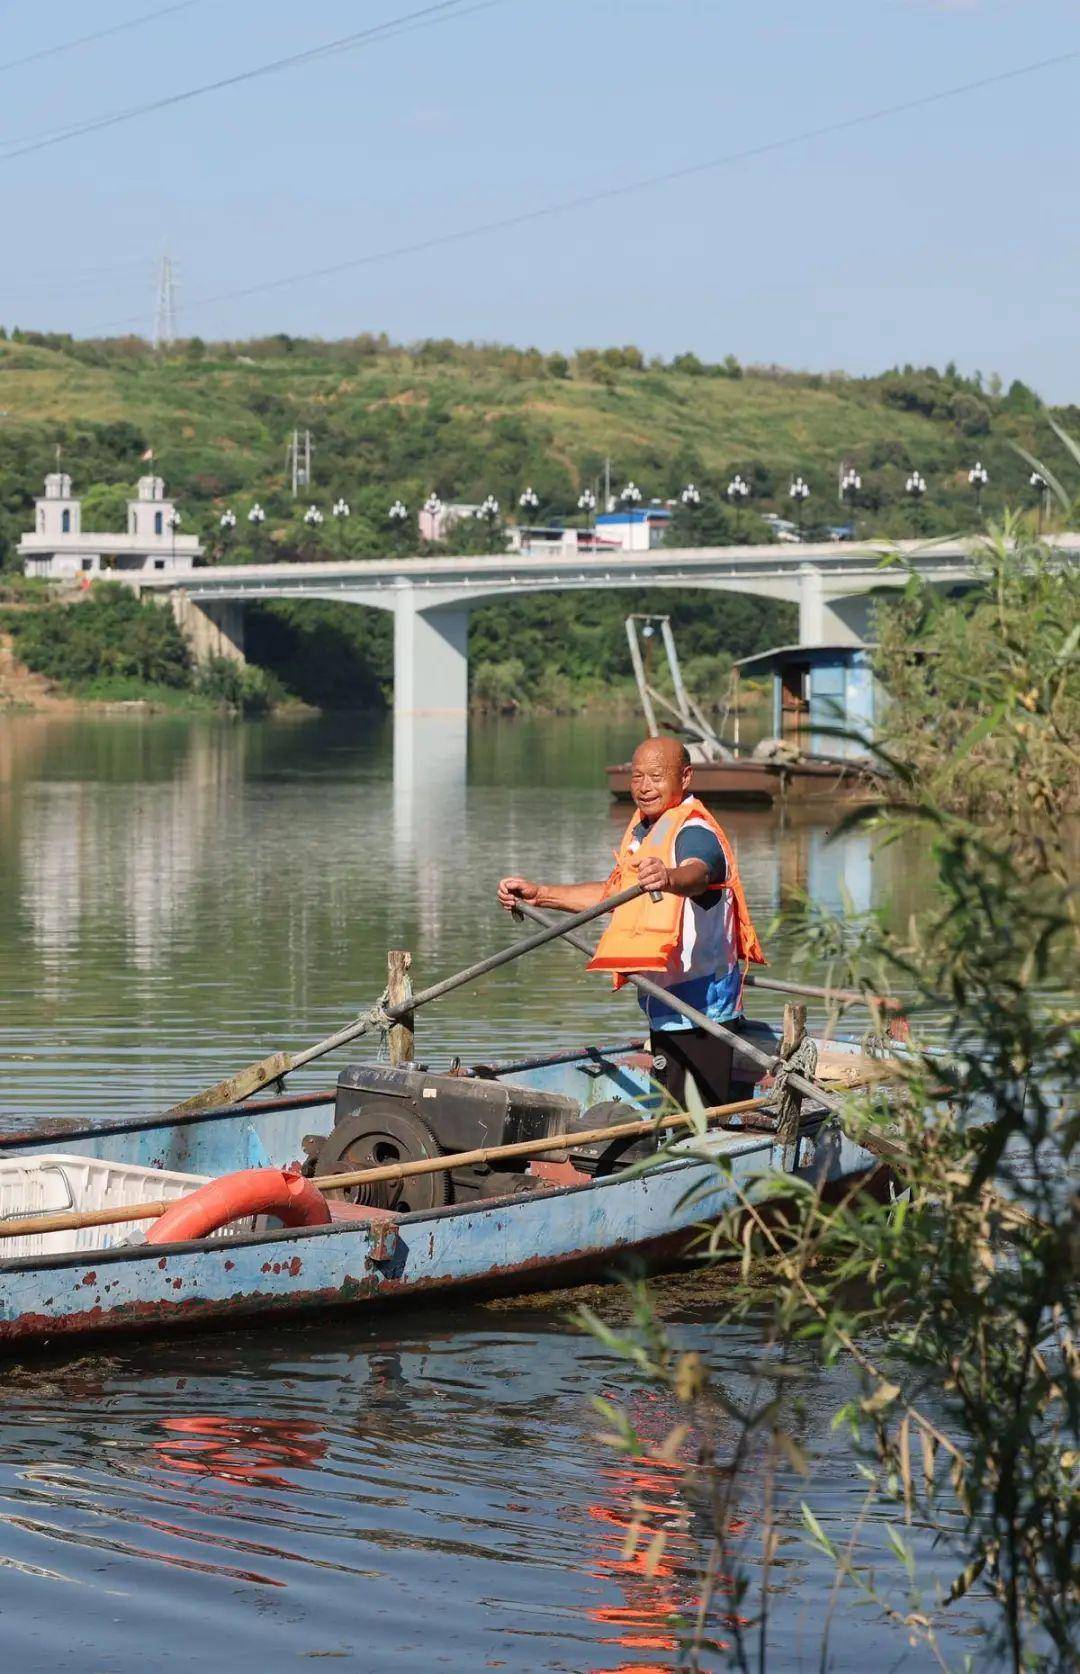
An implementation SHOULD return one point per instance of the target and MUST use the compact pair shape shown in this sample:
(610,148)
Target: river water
(178,897)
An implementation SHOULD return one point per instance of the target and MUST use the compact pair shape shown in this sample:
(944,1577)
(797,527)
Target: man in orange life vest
(695,941)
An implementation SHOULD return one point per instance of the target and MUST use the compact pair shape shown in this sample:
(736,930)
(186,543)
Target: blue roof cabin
(817,690)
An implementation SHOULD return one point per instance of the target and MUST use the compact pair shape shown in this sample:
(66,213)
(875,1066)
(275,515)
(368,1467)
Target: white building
(60,549)
(633,529)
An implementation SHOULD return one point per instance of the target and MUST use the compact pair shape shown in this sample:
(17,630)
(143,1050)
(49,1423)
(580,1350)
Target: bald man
(694,944)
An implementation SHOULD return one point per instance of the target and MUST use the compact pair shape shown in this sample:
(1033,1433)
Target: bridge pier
(826,618)
(431,656)
(212,630)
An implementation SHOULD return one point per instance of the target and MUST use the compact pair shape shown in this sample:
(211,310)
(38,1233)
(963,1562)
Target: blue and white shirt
(704,968)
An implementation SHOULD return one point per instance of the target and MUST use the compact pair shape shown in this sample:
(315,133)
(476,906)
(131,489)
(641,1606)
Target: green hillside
(465,420)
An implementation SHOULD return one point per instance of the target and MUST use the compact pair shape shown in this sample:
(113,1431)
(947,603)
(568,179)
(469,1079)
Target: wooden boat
(742,780)
(548,1223)
(823,699)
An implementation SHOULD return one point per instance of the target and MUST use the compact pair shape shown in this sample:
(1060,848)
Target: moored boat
(574,1210)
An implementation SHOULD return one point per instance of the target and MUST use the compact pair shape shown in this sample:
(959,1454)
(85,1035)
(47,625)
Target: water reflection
(247,1450)
(177,898)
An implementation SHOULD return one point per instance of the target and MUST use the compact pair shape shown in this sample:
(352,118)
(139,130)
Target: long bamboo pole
(271,1069)
(739,1043)
(73,1220)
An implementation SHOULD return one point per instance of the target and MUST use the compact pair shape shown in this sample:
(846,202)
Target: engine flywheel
(383,1133)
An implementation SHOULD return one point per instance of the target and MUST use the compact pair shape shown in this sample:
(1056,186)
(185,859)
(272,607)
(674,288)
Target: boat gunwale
(183,1119)
(753,1140)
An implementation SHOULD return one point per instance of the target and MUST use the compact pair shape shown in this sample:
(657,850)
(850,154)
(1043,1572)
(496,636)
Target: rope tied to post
(377,1017)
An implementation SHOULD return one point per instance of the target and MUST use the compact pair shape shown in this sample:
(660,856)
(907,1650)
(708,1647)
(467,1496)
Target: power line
(440,11)
(605,194)
(98,35)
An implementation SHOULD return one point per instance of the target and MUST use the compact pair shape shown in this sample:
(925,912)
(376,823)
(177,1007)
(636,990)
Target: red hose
(253,1191)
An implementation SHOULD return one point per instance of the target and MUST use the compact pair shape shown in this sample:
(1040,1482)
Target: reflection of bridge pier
(834,585)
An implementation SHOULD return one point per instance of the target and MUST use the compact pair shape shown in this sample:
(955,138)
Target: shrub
(243,686)
(499,686)
(110,632)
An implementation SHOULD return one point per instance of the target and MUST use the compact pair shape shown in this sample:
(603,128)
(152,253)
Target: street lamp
(586,503)
(175,521)
(398,516)
(799,491)
(488,512)
(850,485)
(340,508)
(313,517)
(690,496)
(1042,490)
(738,492)
(226,523)
(529,501)
(256,515)
(630,497)
(978,477)
(915,488)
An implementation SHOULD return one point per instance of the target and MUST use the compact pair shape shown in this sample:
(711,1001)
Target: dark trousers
(682,1053)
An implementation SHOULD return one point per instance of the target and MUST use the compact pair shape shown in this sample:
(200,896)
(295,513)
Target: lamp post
(691,499)
(488,513)
(398,516)
(915,488)
(1039,484)
(340,511)
(850,484)
(175,521)
(257,517)
(586,503)
(529,501)
(630,497)
(737,492)
(313,517)
(978,477)
(799,491)
(227,524)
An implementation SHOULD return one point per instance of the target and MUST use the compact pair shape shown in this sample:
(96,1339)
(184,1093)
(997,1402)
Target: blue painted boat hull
(550,1235)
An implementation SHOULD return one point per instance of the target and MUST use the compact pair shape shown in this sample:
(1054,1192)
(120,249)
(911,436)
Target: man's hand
(690,877)
(513,890)
(652,874)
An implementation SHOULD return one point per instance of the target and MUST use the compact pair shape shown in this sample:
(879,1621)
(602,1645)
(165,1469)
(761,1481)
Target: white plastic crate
(43,1185)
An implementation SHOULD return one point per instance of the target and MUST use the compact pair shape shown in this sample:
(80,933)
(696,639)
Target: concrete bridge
(832,583)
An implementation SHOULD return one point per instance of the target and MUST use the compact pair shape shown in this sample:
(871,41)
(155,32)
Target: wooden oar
(271,1069)
(841,996)
(72,1220)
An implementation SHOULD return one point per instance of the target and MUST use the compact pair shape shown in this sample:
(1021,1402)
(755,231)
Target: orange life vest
(644,934)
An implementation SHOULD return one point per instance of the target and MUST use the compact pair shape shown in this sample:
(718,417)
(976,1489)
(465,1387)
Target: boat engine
(385,1115)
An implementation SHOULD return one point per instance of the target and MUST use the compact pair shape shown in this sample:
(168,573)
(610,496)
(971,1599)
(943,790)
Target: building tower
(57,512)
(151,514)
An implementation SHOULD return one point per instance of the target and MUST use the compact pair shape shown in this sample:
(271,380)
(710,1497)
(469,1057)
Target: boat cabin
(819,693)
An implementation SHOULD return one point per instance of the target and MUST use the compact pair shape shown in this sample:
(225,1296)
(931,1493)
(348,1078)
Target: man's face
(658,778)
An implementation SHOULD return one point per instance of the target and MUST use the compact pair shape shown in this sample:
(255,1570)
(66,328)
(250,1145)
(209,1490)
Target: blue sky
(950,232)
